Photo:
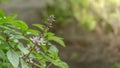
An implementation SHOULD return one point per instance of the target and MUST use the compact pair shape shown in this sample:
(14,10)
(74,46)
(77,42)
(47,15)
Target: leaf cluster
(23,47)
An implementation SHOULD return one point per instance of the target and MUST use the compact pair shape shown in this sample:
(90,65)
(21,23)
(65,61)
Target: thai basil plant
(23,47)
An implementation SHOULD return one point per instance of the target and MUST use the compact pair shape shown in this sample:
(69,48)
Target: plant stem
(49,65)
(36,65)
(31,51)
(7,40)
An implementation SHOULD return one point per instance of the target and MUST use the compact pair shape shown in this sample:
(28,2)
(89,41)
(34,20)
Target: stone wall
(27,10)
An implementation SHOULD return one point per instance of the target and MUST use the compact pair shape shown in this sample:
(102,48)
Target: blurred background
(90,28)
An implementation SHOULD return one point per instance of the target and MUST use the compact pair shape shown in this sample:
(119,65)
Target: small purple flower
(37,40)
(38,49)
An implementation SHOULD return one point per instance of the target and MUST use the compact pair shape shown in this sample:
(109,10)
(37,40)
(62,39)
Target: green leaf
(50,36)
(57,39)
(17,37)
(5,64)
(39,26)
(54,49)
(8,30)
(53,52)
(74,55)
(43,63)
(2,38)
(3,0)
(32,32)
(109,27)
(19,25)
(2,54)
(4,46)
(60,63)
(44,48)
(22,48)
(117,65)
(11,17)
(13,58)
(57,62)
(92,25)
(24,64)
(1,13)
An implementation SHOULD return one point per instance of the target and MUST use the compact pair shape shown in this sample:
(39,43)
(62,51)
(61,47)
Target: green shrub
(23,47)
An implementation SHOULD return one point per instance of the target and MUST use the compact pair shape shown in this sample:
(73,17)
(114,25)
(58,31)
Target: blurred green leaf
(32,32)
(44,48)
(54,49)
(13,58)
(17,37)
(60,63)
(53,52)
(1,14)
(39,26)
(4,46)
(57,62)
(51,36)
(19,25)
(2,38)
(74,55)
(57,39)
(92,25)
(22,48)
(24,64)
(109,27)
(117,65)
(2,54)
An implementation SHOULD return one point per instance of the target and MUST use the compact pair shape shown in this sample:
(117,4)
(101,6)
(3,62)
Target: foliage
(88,13)
(60,9)
(23,47)
(81,12)
(117,65)
(3,0)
